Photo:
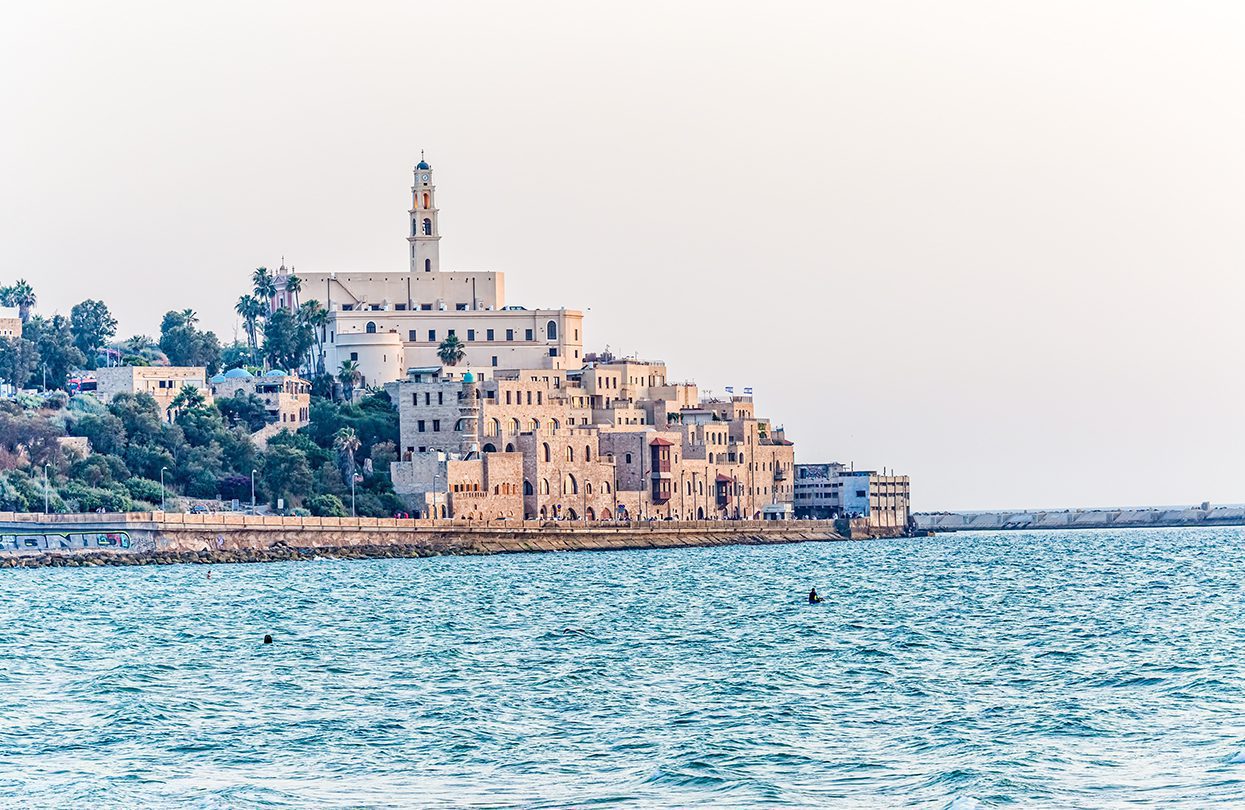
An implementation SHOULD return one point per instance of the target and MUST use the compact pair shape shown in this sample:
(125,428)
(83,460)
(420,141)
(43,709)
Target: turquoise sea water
(1071,669)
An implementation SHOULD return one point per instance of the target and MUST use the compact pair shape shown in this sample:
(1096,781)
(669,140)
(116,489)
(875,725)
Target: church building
(389,323)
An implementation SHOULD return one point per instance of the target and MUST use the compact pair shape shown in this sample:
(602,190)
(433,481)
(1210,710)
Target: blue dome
(469,377)
(423,164)
(217,378)
(276,372)
(238,374)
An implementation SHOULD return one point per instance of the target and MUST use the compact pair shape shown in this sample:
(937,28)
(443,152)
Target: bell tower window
(427,265)
(427,227)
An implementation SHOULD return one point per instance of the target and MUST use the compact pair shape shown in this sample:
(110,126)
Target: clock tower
(424,236)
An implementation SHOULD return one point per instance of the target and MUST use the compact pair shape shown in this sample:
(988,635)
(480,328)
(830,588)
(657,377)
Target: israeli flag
(748,390)
(730,389)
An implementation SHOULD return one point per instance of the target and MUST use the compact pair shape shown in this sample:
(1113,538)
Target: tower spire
(424,234)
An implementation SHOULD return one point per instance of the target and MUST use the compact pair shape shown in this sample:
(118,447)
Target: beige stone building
(286,397)
(164,383)
(10,323)
(389,322)
(613,440)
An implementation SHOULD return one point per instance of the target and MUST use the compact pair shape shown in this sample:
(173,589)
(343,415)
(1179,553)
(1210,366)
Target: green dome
(469,377)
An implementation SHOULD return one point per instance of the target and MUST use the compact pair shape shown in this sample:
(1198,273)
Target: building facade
(392,321)
(286,397)
(163,383)
(613,440)
(10,323)
(834,490)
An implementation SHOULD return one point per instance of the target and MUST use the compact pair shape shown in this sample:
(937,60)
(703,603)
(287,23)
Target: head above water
(267,639)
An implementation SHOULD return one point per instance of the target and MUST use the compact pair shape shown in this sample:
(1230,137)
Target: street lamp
(253,491)
(162,469)
(353,478)
(46,491)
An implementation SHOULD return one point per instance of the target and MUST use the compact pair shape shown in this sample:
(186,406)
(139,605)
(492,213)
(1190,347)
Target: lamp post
(46,491)
(253,490)
(353,478)
(162,469)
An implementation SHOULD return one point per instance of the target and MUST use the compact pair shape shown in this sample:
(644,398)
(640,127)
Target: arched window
(533,424)
(628,458)
(496,489)
(427,227)
(527,487)
(514,425)
(588,487)
(509,448)
(489,448)
(544,486)
(493,427)
(551,330)
(548,452)
(555,424)
(570,453)
(605,487)
(587,453)
(414,231)
(427,200)
(371,327)
(427,265)
(569,485)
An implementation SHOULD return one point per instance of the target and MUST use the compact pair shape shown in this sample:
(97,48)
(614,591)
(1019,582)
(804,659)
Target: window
(529,397)
(452,332)
(421,426)
(471,334)
(426,307)
(628,458)
(527,487)
(507,396)
(577,334)
(411,336)
(460,307)
(553,351)
(427,200)
(347,307)
(436,425)
(587,453)
(370,328)
(415,400)
(354,356)
(488,334)
(509,334)
(400,307)
(432,335)
(494,360)
(427,227)
(548,454)
(540,396)
(527,334)
(551,330)
(427,265)
(570,453)
(440,397)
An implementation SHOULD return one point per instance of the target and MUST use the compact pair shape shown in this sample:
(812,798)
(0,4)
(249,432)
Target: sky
(996,246)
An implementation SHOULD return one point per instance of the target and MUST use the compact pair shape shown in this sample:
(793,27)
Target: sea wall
(144,537)
(1080,519)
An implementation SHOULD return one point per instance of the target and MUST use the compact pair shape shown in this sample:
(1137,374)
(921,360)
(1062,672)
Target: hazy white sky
(994,245)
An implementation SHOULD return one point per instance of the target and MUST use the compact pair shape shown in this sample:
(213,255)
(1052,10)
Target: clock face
(424,177)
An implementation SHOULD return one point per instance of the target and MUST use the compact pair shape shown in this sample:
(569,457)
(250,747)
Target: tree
(92,326)
(18,360)
(185,344)
(314,316)
(294,285)
(250,309)
(286,472)
(326,506)
(346,443)
(286,341)
(189,398)
(53,340)
(265,287)
(105,432)
(20,295)
(350,376)
(451,351)
(244,409)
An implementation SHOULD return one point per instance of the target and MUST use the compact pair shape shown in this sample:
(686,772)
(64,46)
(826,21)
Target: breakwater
(161,538)
(1044,519)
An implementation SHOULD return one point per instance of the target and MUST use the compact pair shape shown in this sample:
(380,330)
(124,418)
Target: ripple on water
(1039,670)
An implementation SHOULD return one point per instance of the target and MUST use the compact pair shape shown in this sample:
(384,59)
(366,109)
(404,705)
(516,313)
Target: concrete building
(10,323)
(164,383)
(389,322)
(286,397)
(610,441)
(833,490)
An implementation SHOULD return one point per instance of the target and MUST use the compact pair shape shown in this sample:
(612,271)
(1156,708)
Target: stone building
(286,396)
(10,323)
(388,322)
(613,440)
(164,383)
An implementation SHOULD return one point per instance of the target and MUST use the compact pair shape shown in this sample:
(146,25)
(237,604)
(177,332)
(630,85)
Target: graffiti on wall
(54,541)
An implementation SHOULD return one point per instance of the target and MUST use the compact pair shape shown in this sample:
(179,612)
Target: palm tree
(313,315)
(190,317)
(349,375)
(346,443)
(451,351)
(265,287)
(294,285)
(250,309)
(20,295)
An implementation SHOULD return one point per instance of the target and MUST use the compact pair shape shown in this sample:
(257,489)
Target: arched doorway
(590,514)
(489,448)
(605,515)
(509,448)
(570,514)
(700,513)
(544,513)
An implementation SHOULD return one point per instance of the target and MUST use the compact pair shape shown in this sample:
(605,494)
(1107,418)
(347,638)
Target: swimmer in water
(209,573)
(267,639)
(813,598)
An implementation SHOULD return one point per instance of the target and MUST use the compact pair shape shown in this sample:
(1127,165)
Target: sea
(1076,669)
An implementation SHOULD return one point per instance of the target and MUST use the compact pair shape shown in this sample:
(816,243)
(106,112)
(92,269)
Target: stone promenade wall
(230,537)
